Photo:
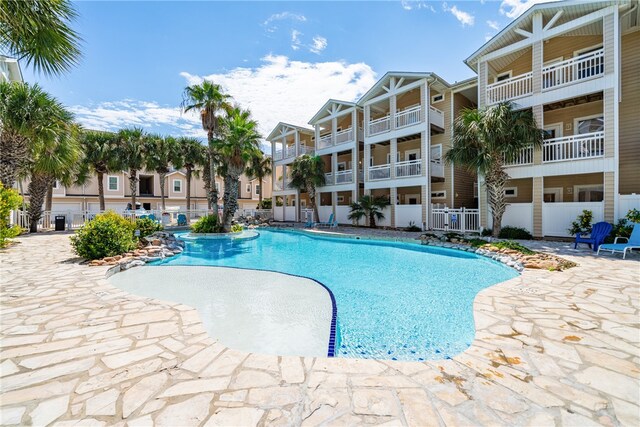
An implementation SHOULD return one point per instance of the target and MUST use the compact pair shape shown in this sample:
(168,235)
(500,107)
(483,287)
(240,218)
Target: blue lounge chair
(599,232)
(633,242)
(332,223)
(182,219)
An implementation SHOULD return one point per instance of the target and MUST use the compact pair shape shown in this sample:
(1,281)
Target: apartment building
(576,66)
(117,193)
(9,69)
(288,142)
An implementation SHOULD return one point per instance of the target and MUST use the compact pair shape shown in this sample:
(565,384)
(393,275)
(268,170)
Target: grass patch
(508,244)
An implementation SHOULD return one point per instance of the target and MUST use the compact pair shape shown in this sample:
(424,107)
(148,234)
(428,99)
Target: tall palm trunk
(260,194)
(133,186)
(372,219)
(37,193)
(230,198)
(189,172)
(101,190)
(13,153)
(163,178)
(311,192)
(49,199)
(206,178)
(495,182)
(213,192)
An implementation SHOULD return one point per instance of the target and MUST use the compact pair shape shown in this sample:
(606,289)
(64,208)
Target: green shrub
(509,232)
(453,235)
(236,228)
(633,215)
(266,203)
(147,226)
(207,224)
(624,227)
(476,243)
(582,224)
(9,200)
(508,244)
(108,234)
(412,227)
(486,232)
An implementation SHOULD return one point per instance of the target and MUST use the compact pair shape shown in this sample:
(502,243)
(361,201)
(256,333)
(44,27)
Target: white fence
(409,168)
(342,215)
(407,214)
(324,212)
(584,146)
(460,220)
(574,69)
(380,125)
(290,213)
(557,217)
(409,117)
(516,215)
(626,202)
(262,213)
(379,172)
(278,213)
(386,221)
(514,87)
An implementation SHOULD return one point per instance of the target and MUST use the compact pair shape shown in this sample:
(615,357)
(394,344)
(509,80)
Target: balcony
(277,155)
(381,125)
(436,117)
(515,87)
(379,172)
(290,151)
(583,67)
(344,177)
(342,137)
(328,179)
(409,168)
(525,157)
(325,142)
(437,168)
(408,117)
(277,186)
(306,150)
(575,147)
(405,118)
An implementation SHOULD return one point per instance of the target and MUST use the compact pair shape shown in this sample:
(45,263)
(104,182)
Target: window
(56,184)
(437,98)
(439,194)
(177,186)
(342,166)
(257,189)
(552,195)
(218,187)
(588,193)
(503,76)
(248,188)
(590,125)
(112,183)
(511,192)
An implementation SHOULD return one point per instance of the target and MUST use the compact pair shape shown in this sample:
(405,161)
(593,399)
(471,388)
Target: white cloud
(514,8)
(284,16)
(465,18)
(290,91)
(493,25)
(151,116)
(416,4)
(295,39)
(319,44)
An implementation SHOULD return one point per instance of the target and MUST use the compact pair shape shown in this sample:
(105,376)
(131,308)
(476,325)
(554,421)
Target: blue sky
(281,59)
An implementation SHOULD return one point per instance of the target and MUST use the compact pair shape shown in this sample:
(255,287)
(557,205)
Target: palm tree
(28,114)
(50,160)
(307,173)
(370,207)
(484,140)
(100,150)
(131,153)
(160,155)
(259,168)
(193,155)
(239,146)
(209,99)
(38,30)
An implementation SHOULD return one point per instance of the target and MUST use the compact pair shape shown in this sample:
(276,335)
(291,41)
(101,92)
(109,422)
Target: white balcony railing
(409,168)
(344,136)
(409,117)
(290,151)
(306,150)
(277,155)
(525,157)
(325,141)
(379,172)
(344,177)
(437,168)
(361,175)
(436,117)
(277,186)
(383,124)
(512,88)
(328,179)
(573,70)
(574,147)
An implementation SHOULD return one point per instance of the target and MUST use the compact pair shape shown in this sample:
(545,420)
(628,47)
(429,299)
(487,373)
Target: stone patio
(550,348)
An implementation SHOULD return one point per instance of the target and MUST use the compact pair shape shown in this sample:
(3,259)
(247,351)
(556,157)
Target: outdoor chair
(633,242)
(599,232)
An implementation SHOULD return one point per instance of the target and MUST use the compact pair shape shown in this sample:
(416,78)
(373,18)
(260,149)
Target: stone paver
(550,348)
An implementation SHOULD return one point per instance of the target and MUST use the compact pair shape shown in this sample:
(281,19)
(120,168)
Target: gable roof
(277,130)
(326,106)
(371,93)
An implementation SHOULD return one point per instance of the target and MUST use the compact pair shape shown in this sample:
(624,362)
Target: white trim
(173,187)
(508,73)
(578,52)
(56,185)
(597,187)
(553,61)
(558,127)
(515,191)
(558,191)
(256,187)
(247,188)
(117,182)
(440,95)
(439,194)
(415,151)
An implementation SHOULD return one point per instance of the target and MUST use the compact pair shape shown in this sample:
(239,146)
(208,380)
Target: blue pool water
(396,301)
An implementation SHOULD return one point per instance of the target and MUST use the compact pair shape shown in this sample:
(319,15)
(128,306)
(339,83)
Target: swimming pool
(398,301)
